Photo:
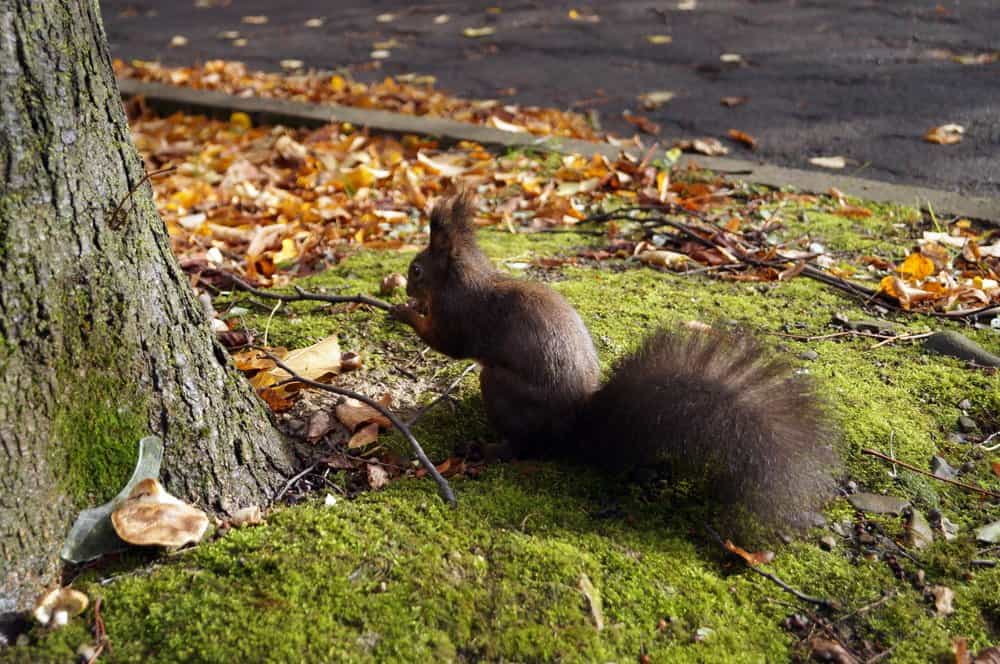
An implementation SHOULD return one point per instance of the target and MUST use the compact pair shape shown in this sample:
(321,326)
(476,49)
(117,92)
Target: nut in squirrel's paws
(406,313)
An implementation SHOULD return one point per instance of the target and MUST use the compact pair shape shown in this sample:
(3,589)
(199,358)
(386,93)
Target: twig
(745,258)
(921,471)
(990,448)
(113,222)
(902,337)
(819,601)
(300,294)
(100,634)
(886,596)
(293,480)
(442,483)
(447,391)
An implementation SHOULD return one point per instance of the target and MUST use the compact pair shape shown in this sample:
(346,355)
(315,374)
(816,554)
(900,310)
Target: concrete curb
(168,98)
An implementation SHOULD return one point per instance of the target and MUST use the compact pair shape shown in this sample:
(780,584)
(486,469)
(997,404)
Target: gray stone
(878,504)
(967,424)
(989,533)
(918,531)
(941,468)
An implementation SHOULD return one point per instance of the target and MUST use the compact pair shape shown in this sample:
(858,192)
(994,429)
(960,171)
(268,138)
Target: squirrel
(713,405)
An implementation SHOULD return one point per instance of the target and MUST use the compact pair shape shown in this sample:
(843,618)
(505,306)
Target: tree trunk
(101,339)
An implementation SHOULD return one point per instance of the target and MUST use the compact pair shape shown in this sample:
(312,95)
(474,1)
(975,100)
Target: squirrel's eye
(416,270)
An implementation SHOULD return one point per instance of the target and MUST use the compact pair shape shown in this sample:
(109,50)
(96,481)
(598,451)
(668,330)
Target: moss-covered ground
(395,575)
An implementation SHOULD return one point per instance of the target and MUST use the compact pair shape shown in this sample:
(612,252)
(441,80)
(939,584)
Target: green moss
(97,430)
(396,576)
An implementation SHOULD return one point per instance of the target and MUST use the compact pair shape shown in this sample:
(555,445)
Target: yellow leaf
(659,39)
(472,33)
(241,120)
(288,254)
(916,266)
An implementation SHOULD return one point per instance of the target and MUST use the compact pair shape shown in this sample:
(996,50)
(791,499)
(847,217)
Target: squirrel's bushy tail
(716,406)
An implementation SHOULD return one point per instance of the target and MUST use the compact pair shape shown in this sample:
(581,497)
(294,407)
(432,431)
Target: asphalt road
(862,79)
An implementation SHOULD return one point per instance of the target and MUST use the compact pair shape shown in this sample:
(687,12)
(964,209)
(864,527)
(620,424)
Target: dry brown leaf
(364,436)
(321,423)
(353,413)
(733,101)
(642,123)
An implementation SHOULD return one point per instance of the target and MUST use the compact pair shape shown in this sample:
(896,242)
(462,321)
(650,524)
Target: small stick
(448,390)
(442,483)
(300,295)
(293,480)
(902,337)
(113,222)
(920,471)
(819,601)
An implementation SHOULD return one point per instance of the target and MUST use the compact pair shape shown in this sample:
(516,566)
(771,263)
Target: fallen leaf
(353,413)
(995,467)
(178,41)
(255,20)
(641,123)
(828,162)
(588,17)
(731,58)
(653,100)
(474,33)
(314,362)
(915,267)
(709,146)
(743,137)
(947,134)
(943,598)
(440,166)
(364,436)
(320,423)
(291,64)
(387,17)
(752,559)
(315,22)
(594,603)
(503,125)
(733,101)
(377,476)
(659,39)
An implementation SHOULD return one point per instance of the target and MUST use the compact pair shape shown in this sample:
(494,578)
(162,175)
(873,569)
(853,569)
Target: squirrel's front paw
(404,313)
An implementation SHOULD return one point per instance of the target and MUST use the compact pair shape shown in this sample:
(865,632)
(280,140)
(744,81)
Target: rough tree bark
(101,339)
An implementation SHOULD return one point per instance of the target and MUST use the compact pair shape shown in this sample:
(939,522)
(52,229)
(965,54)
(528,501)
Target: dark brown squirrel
(713,405)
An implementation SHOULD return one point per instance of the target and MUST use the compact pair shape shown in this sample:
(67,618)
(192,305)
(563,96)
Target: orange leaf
(743,137)
(752,559)
(916,266)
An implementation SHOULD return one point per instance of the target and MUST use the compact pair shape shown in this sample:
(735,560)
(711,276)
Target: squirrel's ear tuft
(452,217)
(463,210)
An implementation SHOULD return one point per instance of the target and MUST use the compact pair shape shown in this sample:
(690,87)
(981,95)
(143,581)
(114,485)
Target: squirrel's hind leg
(525,415)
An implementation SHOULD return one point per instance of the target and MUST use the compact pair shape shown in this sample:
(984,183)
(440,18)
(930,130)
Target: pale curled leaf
(353,413)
